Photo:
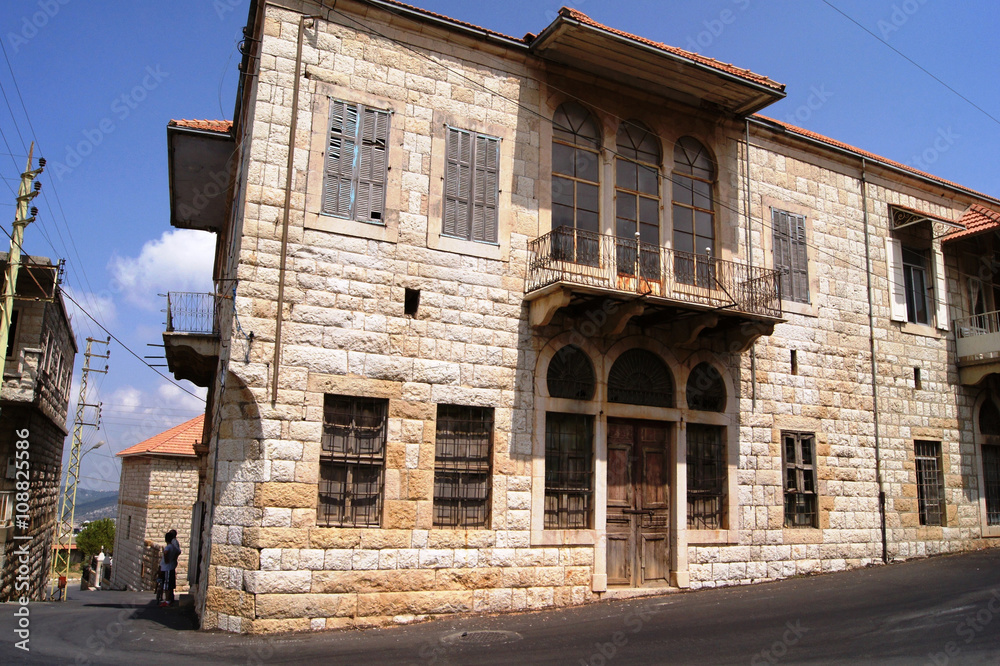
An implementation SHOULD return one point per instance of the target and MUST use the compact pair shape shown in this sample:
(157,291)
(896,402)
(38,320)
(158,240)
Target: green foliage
(98,534)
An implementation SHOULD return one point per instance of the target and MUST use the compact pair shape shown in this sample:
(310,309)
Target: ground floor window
(800,479)
(706,477)
(352,459)
(930,482)
(569,471)
(462,453)
(991,470)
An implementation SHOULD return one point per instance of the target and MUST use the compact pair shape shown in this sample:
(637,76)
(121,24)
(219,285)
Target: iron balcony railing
(978,336)
(621,264)
(193,313)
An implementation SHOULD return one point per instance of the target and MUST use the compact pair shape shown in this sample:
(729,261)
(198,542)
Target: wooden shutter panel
(897,286)
(940,288)
(457,184)
(340,159)
(371,174)
(782,251)
(800,259)
(484,216)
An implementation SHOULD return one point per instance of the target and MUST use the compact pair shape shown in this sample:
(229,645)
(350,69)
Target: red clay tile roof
(178,441)
(710,62)
(209,125)
(976,220)
(792,129)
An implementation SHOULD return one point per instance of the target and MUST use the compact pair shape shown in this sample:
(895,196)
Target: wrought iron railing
(193,313)
(623,264)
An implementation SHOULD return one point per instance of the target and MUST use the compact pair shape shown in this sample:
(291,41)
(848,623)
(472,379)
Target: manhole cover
(484,637)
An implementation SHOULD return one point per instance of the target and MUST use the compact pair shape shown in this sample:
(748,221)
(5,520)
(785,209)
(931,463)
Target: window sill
(563,537)
(923,330)
(804,309)
(466,247)
(339,225)
(705,537)
(795,535)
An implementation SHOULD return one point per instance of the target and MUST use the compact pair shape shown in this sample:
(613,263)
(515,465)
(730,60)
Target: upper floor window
(917,286)
(471,186)
(918,289)
(637,201)
(356,166)
(790,256)
(693,213)
(576,142)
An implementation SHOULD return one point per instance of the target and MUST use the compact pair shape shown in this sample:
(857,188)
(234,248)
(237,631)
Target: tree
(96,535)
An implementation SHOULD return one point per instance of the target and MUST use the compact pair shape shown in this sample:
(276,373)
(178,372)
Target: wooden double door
(638,515)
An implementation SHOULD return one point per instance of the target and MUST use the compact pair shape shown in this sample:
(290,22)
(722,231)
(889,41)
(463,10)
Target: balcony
(654,285)
(191,340)
(977,347)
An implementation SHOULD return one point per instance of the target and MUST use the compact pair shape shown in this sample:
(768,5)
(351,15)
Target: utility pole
(67,514)
(25,194)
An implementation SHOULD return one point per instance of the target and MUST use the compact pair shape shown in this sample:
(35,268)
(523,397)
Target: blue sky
(100,80)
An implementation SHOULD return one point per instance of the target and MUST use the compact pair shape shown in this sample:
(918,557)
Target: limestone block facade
(561,326)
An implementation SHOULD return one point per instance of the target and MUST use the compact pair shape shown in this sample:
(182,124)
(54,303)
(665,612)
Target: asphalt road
(944,610)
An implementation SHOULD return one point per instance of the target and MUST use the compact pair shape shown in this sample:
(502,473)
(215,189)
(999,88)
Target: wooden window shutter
(800,259)
(484,213)
(340,159)
(782,251)
(371,175)
(897,285)
(457,184)
(940,288)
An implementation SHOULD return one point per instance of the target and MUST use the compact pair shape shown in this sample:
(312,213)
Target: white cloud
(102,306)
(179,260)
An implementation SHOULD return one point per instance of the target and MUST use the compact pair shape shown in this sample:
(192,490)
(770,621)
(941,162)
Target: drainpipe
(746,210)
(288,206)
(871,344)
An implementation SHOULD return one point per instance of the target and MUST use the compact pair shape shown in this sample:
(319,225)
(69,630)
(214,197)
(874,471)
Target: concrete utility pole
(25,194)
(67,514)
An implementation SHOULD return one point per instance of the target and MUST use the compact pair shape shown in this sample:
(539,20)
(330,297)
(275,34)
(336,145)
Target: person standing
(171,553)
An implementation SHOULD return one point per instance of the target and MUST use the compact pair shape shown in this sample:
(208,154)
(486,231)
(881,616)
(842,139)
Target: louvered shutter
(457,184)
(897,285)
(340,159)
(800,259)
(782,251)
(484,214)
(374,139)
(940,288)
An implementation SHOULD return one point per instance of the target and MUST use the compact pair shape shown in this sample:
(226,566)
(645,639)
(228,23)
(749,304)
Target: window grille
(352,458)
(571,374)
(471,186)
(800,479)
(706,472)
(569,475)
(356,163)
(640,377)
(462,454)
(705,389)
(930,483)
(790,255)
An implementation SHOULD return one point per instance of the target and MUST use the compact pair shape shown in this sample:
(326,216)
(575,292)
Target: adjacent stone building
(37,376)
(510,323)
(157,493)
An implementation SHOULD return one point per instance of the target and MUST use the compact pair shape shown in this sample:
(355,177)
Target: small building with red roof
(158,489)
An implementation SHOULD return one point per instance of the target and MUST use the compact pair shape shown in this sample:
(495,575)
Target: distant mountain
(95,504)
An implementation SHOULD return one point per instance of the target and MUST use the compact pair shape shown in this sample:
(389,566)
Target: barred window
(351,461)
(930,482)
(569,471)
(356,171)
(706,472)
(471,186)
(462,453)
(800,479)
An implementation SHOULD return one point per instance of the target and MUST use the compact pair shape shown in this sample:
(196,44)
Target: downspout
(746,210)
(871,344)
(288,206)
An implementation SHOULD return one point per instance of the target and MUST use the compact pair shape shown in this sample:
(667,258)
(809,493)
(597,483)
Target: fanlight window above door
(705,389)
(571,374)
(640,377)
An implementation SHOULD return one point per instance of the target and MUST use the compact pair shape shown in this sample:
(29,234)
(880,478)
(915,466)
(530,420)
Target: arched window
(637,201)
(640,377)
(571,374)
(576,168)
(693,213)
(705,389)
(989,418)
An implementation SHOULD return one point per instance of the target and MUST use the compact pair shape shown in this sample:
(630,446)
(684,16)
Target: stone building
(157,493)
(37,376)
(510,323)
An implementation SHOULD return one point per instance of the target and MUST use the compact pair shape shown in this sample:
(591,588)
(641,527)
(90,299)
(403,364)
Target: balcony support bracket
(545,308)
(741,339)
(686,331)
(618,320)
